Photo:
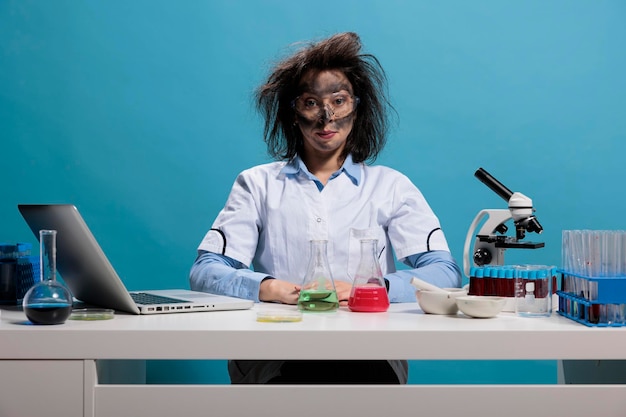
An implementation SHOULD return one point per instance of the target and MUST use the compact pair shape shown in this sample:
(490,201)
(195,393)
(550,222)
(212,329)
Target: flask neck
(318,271)
(48,255)
(369,267)
(369,248)
(318,251)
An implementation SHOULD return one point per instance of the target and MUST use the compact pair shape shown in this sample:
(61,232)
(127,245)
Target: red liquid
(510,287)
(593,313)
(542,289)
(490,288)
(369,299)
(477,286)
(500,284)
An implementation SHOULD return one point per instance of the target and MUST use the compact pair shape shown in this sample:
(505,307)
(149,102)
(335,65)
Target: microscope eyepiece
(495,185)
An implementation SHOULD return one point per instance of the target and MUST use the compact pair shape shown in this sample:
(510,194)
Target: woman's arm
(219,274)
(437,267)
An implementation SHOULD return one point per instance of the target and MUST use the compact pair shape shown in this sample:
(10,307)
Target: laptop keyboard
(144,298)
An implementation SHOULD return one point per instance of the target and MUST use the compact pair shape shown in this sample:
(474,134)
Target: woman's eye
(340,101)
(310,103)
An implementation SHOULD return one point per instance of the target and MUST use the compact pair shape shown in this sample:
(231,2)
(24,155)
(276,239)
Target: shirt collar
(351,169)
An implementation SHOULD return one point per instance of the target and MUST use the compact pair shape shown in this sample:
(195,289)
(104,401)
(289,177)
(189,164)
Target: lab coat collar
(351,169)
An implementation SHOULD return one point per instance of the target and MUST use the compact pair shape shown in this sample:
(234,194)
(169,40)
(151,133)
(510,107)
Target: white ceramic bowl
(480,306)
(438,302)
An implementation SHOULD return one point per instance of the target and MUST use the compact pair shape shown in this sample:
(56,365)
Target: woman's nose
(328,112)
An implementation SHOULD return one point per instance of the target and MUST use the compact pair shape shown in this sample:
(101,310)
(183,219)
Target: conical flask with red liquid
(369,293)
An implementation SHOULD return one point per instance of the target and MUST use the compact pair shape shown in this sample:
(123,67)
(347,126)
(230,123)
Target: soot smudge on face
(322,121)
(324,90)
(312,83)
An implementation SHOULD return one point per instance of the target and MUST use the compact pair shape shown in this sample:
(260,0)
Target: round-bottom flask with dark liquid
(48,301)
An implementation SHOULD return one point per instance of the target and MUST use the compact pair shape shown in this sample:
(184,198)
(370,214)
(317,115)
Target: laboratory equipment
(91,314)
(533,290)
(318,293)
(593,277)
(27,271)
(423,285)
(593,301)
(480,306)
(279,316)
(439,302)
(491,240)
(48,301)
(369,292)
(17,271)
(7,273)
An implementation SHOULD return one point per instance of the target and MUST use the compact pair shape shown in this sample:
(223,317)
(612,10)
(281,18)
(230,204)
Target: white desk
(59,362)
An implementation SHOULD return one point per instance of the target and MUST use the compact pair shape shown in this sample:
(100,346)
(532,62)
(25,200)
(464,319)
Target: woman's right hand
(275,290)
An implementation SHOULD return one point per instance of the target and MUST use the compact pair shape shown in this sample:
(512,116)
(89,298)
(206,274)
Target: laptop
(91,278)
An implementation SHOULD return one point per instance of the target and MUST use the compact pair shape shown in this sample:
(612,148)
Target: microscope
(491,240)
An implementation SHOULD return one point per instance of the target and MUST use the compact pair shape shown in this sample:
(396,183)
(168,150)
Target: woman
(325,110)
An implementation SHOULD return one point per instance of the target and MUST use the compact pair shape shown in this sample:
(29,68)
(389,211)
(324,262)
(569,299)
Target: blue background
(140,113)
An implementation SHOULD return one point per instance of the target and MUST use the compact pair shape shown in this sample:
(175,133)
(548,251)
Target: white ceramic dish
(480,306)
(439,302)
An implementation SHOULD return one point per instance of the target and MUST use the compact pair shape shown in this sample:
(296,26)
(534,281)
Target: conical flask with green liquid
(318,293)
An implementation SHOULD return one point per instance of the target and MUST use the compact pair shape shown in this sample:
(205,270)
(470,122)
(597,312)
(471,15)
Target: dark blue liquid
(48,313)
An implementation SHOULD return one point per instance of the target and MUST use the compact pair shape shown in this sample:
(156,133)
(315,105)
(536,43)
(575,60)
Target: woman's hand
(343,292)
(275,290)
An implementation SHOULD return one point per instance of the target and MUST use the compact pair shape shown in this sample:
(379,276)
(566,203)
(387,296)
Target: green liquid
(318,300)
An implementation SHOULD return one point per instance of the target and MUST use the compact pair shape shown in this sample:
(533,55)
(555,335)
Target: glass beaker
(48,301)
(318,291)
(369,293)
(533,290)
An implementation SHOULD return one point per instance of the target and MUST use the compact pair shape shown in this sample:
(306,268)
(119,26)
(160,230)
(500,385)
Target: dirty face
(325,110)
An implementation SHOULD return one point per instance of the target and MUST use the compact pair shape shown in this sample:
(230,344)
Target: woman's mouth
(326,134)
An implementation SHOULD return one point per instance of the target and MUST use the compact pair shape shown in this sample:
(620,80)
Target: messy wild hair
(340,52)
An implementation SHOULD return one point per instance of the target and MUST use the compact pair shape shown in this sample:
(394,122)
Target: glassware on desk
(15,275)
(369,293)
(7,273)
(48,301)
(533,290)
(318,292)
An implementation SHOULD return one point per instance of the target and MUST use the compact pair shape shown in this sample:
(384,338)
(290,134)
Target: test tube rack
(593,301)
(499,281)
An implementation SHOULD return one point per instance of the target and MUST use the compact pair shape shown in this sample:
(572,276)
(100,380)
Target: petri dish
(279,316)
(89,314)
